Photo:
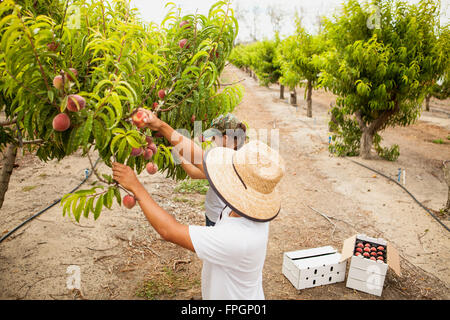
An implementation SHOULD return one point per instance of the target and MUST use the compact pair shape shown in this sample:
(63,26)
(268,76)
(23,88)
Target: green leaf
(98,207)
(79,209)
(88,207)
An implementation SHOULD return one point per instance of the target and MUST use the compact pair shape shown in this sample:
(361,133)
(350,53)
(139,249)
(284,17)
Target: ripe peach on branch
(58,82)
(182,43)
(148,154)
(152,168)
(136,152)
(75,103)
(69,76)
(185,24)
(138,119)
(61,122)
(129,201)
(162,94)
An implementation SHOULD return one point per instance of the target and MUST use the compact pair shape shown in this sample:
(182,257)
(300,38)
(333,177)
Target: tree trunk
(448,200)
(366,143)
(333,119)
(368,131)
(293,98)
(8,166)
(281,92)
(427,102)
(447,179)
(309,100)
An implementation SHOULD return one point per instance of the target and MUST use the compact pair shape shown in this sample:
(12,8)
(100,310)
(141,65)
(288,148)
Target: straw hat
(246,179)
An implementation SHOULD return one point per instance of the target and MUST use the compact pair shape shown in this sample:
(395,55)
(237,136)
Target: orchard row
(379,72)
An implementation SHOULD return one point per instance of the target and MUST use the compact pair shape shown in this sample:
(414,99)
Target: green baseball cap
(221,124)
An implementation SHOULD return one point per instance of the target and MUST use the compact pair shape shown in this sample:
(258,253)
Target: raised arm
(184,146)
(164,223)
(192,171)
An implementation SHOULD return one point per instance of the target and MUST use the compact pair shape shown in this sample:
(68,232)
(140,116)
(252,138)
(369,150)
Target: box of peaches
(370,259)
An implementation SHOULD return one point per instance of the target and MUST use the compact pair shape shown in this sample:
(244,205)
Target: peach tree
(73,74)
(380,71)
(301,61)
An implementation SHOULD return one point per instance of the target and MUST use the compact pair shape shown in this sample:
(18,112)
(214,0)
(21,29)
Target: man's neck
(234,215)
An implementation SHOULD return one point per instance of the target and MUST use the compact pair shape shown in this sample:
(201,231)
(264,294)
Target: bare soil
(122,257)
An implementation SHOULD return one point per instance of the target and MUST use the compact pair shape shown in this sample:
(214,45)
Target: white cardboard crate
(367,275)
(313,267)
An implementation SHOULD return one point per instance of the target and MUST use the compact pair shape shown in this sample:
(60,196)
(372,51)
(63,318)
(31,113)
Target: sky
(310,10)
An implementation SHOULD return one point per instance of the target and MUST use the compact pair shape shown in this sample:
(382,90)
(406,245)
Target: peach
(153,147)
(138,118)
(155,105)
(75,103)
(61,122)
(182,43)
(193,118)
(214,52)
(161,94)
(148,154)
(75,73)
(149,140)
(136,152)
(152,168)
(52,46)
(58,82)
(129,201)
(184,23)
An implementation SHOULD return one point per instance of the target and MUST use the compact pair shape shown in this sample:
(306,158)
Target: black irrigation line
(407,191)
(387,177)
(50,206)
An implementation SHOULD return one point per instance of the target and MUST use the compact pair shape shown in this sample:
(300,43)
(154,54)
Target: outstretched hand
(125,176)
(144,118)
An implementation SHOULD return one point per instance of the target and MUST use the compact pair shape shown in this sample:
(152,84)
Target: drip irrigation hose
(88,175)
(387,177)
(401,186)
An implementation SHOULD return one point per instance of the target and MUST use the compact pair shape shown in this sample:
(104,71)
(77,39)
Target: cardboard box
(313,267)
(367,275)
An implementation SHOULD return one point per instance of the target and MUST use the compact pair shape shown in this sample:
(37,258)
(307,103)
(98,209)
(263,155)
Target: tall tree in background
(440,86)
(301,62)
(290,75)
(379,71)
(309,61)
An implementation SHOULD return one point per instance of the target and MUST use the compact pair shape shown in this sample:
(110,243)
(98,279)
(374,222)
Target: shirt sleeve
(217,245)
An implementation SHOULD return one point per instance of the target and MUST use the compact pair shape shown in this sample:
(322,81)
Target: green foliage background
(122,63)
(380,74)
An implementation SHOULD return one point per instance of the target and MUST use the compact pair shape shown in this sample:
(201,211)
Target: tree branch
(361,123)
(38,141)
(8,122)
(41,68)
(383,118)
(95,171)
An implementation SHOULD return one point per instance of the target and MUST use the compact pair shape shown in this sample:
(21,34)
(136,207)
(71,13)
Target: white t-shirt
(233,254)
(213,205)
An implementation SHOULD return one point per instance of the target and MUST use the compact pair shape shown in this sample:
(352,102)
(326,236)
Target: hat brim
(226,183)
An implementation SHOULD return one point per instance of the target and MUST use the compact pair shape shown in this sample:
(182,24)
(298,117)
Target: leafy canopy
(121,63)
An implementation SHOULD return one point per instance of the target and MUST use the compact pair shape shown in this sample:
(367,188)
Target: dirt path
(120,254)
(362,202)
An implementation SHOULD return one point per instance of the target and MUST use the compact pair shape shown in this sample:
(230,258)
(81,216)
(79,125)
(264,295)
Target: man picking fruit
(228,132)
(233,252)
